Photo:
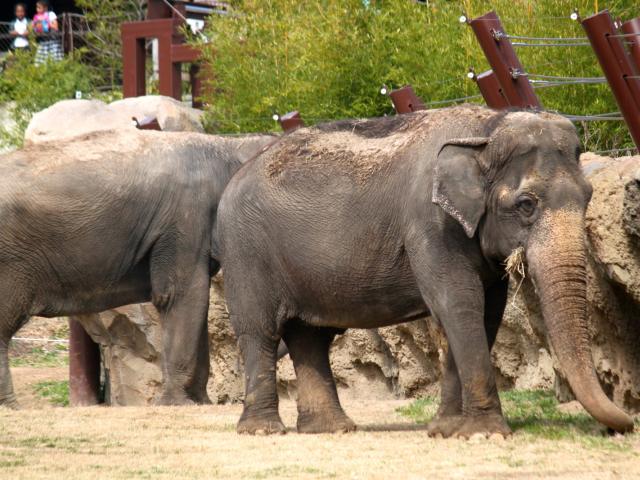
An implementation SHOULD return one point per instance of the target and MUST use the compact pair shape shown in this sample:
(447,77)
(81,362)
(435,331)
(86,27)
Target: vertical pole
(133,65)
(491,90)
(504,61)
(632,27)
(196,86)
(84,367)
(617,67)
(169,72)
(291,121)
(405,100)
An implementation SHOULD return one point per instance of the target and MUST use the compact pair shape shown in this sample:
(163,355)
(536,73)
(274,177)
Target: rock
(631,212)
(86,116)
(130,340)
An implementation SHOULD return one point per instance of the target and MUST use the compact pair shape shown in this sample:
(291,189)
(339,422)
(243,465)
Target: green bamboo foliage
(329,58)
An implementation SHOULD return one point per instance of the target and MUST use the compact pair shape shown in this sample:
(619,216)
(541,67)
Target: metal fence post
(405,100)
(504,61)
(491,90)
(632,27)
(84,367)
(617,67)
(291,121)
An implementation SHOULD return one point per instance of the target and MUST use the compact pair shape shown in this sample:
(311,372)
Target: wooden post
(617,67)
(133,64)
(405,100)
(491,90)
(291,121)
(632,28)
(504,61)
(84,367)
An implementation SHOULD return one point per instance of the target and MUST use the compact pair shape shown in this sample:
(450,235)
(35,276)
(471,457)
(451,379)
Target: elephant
(113,218)
(368,223)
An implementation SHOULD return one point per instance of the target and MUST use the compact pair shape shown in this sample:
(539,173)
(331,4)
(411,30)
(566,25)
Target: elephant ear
(459,185)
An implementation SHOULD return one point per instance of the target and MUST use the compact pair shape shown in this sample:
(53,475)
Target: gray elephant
(360,224)
(113,218)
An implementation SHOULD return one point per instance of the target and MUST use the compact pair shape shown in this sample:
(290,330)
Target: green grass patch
(12,463)
(39,357)
(57,392)
(535,414)
(290,471)
(70,444)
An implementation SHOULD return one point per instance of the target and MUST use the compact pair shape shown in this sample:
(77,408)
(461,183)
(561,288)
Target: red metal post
(170,81)
(171,53)
(405,100)
(617,67)
(632,27)
(291,121)
(504,61)
(491,90)
(84,367)
(133,63)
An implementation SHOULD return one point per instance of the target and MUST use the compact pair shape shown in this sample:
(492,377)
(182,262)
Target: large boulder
(87,116)
(406,360)
(131,338)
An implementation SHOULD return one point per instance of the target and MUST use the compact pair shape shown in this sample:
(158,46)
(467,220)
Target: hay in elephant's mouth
(514,264)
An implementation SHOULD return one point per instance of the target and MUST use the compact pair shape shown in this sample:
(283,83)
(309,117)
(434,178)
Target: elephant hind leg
(319,409)
(10,323)
(260,415)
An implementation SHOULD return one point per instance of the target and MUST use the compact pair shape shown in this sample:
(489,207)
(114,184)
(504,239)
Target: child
(20,28)
(45,25)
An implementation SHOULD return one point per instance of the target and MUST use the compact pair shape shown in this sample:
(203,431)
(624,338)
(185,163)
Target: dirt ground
(200,442)
(43,441)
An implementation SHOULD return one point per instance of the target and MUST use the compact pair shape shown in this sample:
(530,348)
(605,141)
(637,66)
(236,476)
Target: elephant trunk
(557,264)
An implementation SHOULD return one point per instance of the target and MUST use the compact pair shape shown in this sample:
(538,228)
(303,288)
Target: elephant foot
(263,425)
(325,422)
(444,426)
(10,402)
(470,427)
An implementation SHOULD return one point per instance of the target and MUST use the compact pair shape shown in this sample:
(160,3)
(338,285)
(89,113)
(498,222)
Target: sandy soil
(200,442)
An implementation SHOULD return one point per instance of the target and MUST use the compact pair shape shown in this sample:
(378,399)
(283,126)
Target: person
(20,28)
(45,25)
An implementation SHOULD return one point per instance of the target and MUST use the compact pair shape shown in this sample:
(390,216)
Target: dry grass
(50,442)
(200,442)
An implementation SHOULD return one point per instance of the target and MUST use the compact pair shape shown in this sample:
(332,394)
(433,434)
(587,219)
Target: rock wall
(406,360)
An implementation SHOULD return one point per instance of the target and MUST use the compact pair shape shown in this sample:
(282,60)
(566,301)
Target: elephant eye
(526,205)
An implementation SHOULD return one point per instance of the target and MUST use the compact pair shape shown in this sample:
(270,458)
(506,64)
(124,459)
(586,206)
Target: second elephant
(112,218)
(360,224)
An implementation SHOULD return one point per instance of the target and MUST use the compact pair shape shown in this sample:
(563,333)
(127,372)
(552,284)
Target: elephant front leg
(449,417)
(454,291)
(319,409)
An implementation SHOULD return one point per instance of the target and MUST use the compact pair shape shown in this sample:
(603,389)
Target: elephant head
(521,186)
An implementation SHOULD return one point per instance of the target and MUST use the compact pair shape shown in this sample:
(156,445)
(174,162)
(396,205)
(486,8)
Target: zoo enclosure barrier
(509,84)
